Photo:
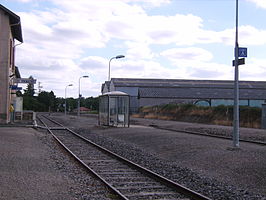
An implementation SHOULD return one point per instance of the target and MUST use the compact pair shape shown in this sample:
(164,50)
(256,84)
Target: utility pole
(236,88)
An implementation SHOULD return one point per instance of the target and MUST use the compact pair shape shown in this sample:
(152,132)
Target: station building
(149,92)
(10,27)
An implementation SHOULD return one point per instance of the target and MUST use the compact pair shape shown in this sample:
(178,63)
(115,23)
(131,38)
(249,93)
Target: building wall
(5,66)
(228,102)
(160,101)
(149,92)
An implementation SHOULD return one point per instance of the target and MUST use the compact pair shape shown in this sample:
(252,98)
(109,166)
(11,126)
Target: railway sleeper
(115,171)
(125,173)
(135,184)
(154,195)
(143,188)
(101,166)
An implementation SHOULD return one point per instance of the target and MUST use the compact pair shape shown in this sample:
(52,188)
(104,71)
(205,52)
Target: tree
(59,105)
(53,103)
(47,101)
(29,102)
(92,103)
(71,103)
(29,91)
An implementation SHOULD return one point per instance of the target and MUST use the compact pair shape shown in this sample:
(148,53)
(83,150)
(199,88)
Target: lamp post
(65,97)
(116,57)
(236,88)
(80,94)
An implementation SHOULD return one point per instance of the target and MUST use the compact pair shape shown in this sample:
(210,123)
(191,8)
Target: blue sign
(15,87)
(19,88)
(25,80)
(242,52)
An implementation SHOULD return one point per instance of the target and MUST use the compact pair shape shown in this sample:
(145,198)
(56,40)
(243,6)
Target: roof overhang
(17,72)
(15,23)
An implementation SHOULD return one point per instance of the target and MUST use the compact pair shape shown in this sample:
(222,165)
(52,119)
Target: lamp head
(119,56)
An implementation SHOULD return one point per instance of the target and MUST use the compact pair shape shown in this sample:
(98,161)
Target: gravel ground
(33,166)
(209,165)
(245,133)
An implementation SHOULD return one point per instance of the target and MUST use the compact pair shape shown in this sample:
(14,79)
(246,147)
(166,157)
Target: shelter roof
(115,93)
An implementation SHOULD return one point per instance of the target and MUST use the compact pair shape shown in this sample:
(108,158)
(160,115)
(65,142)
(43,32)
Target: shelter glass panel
(114,109)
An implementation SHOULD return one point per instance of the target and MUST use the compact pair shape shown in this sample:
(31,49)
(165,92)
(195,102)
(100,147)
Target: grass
(219,115)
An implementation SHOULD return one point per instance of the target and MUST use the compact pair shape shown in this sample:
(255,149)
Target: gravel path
(208,165)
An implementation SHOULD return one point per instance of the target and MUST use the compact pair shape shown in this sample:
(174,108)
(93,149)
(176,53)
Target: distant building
(10,31)
(82,110)
(148,92)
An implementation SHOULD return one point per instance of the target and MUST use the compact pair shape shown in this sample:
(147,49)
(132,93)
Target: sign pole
(236,88)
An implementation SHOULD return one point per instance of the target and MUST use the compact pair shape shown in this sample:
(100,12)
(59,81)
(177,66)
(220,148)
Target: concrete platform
(26,169)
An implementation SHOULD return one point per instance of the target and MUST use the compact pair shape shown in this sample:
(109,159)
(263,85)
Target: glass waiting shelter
(114,109)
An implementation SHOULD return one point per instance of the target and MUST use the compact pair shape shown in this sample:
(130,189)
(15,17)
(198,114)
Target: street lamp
(116,57)
(65,97)
(80,94)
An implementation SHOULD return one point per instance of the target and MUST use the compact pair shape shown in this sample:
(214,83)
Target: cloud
(139,51)
(79,38)
(147,2)
(95,66)
(187,54)
(254,69)
(196,63)
(259,3)
(23,1)
(155,3)
(248,35)
(127,68)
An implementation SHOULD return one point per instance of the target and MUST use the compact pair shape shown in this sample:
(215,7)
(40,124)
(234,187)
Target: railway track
(126,179)
(208,135)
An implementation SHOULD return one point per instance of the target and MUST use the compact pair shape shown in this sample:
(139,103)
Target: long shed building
(148,92)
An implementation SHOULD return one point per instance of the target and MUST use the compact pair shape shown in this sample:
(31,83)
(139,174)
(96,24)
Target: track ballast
(127,179)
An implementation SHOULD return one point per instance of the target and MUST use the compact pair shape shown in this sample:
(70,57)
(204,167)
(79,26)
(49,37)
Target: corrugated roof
(201,93)
(15,23)
(128,82)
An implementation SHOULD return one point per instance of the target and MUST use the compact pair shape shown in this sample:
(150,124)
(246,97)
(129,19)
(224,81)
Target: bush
(223,115)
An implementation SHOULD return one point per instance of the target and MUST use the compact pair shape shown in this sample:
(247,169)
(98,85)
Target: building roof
(179,83)
(17,73)
(105,84)
(82,109)
(193,89)
(15,23)
(201,93)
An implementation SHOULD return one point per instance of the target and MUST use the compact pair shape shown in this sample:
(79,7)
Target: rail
(124,177)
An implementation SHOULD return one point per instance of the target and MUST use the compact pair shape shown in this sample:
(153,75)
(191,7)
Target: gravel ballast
(34,166)
(209,165)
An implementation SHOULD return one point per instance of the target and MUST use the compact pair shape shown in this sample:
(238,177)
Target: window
(11,55)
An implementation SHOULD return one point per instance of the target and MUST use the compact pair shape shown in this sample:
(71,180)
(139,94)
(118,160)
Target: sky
(166,39)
